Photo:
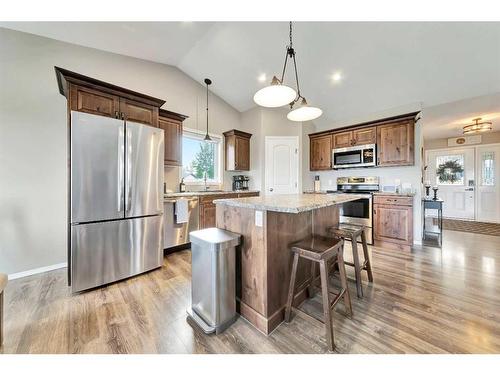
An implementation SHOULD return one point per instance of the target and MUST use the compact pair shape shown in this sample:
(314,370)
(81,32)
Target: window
(450,170)
(200,158)
(488,169)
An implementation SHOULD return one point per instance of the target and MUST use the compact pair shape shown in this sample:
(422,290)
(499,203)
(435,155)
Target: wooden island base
(263,260)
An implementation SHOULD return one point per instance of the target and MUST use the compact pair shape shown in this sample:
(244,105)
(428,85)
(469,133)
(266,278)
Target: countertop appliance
(354,156)
(240,182)
(116,200)
(176,234)
(359,212)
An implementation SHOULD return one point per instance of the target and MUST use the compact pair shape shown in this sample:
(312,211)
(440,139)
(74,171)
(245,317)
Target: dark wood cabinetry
(134,111)
(171,123)
(394,138)
(393,220)
(396,143)
(320,153)
(364,136)
(86,94)
(237,150)
(208,207)
(341,140)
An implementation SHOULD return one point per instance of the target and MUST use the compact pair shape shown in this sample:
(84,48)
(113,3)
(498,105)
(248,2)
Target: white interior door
(488,175)
(453,172)
(282,165)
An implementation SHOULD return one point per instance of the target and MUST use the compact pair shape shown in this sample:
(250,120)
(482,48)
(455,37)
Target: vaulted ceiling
(383,65)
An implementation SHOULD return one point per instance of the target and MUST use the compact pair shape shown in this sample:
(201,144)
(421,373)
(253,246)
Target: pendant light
(278,94)
(207,137)
(478,126)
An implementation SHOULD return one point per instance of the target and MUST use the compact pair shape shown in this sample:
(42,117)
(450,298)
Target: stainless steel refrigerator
(116,200)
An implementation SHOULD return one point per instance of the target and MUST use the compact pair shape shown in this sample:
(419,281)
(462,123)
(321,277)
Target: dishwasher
(178,234)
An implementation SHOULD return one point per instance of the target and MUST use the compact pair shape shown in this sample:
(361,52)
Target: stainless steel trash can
(213,289)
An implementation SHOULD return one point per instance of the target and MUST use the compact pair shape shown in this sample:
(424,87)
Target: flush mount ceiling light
(207,137)
(478,126)
(278,94)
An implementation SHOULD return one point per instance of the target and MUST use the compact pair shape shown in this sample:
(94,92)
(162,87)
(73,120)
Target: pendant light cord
(207,108)
(290,53)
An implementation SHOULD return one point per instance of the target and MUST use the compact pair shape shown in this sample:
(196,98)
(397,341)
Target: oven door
(357,212)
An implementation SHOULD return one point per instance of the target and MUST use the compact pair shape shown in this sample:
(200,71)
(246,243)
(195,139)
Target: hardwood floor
(429,301)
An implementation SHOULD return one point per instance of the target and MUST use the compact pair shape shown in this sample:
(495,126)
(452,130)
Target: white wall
(33,122)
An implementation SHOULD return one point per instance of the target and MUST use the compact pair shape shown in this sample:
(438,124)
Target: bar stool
(352,233)
(323,251)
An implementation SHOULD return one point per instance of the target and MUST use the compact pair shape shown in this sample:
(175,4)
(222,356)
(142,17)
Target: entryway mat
(490,229)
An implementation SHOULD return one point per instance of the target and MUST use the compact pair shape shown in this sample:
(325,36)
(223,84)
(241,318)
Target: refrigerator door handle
(121,169)
(128,203)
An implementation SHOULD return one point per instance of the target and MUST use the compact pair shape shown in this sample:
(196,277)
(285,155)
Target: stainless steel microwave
(354,156)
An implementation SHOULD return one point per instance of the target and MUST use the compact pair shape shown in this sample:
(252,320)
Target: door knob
(271,189)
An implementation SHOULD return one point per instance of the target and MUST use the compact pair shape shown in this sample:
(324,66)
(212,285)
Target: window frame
(199,135)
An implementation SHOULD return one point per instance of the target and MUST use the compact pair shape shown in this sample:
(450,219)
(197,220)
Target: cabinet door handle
(98,109)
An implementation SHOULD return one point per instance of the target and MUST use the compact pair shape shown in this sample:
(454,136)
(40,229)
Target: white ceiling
(447,120)
(384,65)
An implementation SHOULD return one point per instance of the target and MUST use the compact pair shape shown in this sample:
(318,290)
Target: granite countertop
(290,203)
(188,194)
(394,194)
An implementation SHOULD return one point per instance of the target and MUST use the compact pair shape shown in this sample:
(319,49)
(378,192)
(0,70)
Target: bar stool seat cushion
(3,282)
(314,247)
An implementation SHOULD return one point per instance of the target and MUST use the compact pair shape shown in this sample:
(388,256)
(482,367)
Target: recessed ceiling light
(262,77)
(336,77)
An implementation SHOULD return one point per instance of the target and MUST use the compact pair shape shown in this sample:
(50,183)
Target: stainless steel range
(359,212)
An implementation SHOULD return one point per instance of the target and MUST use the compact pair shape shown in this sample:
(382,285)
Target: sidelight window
(488,169)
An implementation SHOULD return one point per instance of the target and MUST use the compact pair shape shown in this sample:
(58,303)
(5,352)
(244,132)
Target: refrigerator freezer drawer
(105,252)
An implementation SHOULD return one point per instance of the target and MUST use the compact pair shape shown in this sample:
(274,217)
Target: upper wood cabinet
(395,144)
(87,100)
(364,136)
(171,123)
(320,153)
(237,150)
(343,139)
(86,94)
(394,138)
(134,111)
(356,137)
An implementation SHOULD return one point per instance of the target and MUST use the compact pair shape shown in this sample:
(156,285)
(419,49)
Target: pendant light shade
(275,95)
(278,94)
(304,112)
(207,137)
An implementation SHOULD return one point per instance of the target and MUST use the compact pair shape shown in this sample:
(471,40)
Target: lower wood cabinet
(393,221)
(208,207)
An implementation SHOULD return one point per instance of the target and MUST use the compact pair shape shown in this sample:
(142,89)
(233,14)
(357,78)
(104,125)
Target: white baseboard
(35,271)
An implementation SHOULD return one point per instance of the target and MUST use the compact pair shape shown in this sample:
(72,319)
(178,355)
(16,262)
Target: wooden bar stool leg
(311,288)
(357,266)
(343,283)
(367,258)
(291,288)
(326,305)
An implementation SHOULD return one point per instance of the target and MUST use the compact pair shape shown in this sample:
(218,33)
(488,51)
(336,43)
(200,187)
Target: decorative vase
(435,189)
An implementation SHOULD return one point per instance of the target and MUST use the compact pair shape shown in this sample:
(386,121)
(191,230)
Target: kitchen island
(268,225)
